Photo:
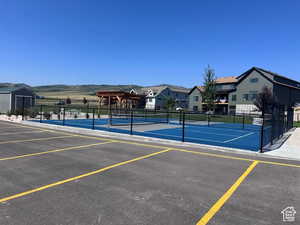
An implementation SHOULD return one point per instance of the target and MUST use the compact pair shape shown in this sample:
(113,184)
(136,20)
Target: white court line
(239,137)
(218,128)
(23,132)
(204,132)
(185,137)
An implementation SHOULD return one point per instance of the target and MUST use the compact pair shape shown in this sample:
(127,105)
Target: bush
(33,114)
(47,115)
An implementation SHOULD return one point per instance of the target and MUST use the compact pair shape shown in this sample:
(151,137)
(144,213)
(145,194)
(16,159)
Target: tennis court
(53,177)
(224,134)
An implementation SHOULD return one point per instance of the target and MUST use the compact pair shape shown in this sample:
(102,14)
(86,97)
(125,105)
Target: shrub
(47,115)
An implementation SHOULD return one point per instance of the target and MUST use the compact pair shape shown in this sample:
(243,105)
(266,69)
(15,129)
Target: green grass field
(296,124)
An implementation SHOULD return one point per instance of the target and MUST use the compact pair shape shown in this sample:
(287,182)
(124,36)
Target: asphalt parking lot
(51,177)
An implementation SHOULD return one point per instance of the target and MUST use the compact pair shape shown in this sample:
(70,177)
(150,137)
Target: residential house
(196,99)
(156,96)
(224,86)
(237,94)
(285,90)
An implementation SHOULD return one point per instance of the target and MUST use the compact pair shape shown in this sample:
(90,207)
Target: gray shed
(13,99)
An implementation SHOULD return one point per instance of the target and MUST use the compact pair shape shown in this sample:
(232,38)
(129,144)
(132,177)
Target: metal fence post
(23,108)
(243,120)
(183,126)
(93,118)
(131,122)
(262,131)
(208,119)
(41,113)
(64,115)
(168,116)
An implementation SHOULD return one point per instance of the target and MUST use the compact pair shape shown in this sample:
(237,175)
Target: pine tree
(209,93)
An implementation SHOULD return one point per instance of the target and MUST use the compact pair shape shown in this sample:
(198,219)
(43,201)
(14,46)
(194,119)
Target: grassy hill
(77,91)
(61,91)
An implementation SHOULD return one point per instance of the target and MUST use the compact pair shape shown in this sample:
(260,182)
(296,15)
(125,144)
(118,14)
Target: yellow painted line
(280,164)
(127,142)
(37,139)
(214,155)
(238,158)
(5,199)
(163,147)
(13,124)
(23,132)
(218,205)
(53,151)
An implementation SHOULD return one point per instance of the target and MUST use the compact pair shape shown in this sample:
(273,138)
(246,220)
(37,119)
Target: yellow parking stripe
(80,176)
(214,155)
(218,205)
(55,150)
(36,139)
(237,158)
(23,132)
(279,164)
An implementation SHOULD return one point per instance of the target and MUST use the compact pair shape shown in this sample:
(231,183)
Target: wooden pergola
(119,99)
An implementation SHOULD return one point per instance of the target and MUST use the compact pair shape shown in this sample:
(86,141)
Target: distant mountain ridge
(86,89)
(13,85)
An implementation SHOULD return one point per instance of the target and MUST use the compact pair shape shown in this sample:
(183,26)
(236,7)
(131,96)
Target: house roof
(275,74)
(265,74)
(226,80)
(200,88)
(9,89)
(158,89)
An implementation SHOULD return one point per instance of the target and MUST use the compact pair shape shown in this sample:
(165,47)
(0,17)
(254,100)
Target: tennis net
(138,118)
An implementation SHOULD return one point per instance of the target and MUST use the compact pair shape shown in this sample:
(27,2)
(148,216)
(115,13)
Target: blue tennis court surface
(233,135)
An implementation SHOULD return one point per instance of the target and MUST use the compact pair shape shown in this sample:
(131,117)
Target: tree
(265,100)
(68,101)
(169,103)
(209,93)
(84,101)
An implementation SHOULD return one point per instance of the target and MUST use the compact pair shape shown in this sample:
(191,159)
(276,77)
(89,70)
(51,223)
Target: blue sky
(145,42)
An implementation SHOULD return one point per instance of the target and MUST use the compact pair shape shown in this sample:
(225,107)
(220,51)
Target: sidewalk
(291,148)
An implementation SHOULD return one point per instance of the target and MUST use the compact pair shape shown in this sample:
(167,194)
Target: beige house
(224,86)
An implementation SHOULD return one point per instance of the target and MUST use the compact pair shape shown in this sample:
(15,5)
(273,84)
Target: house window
(253,95)
(196,98)
(246,97)
(254,80)
(233,98)
(195,108)
(149,99)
